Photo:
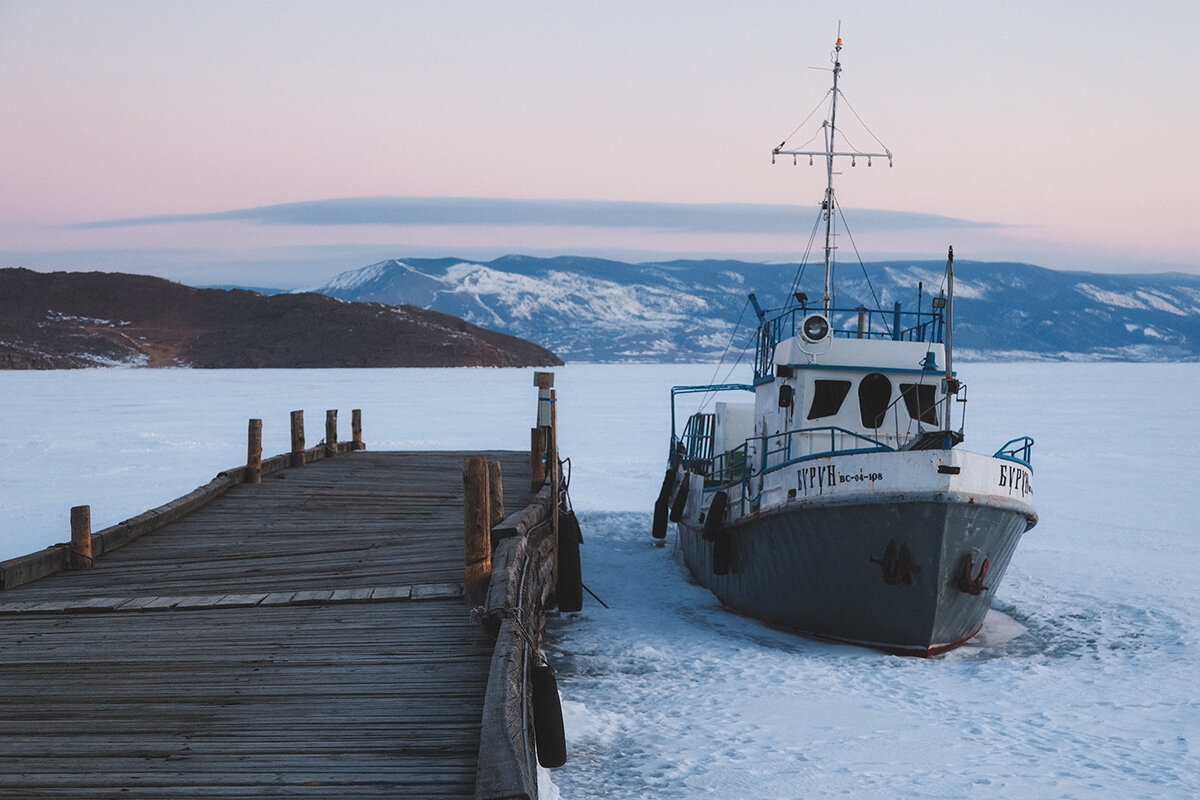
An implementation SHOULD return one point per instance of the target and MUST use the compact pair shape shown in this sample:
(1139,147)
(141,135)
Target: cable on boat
(708,396)
(812,237)
(806,119)
(860,121)
(863,267)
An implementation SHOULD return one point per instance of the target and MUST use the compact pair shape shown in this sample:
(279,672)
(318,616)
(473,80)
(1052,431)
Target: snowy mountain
(593,310)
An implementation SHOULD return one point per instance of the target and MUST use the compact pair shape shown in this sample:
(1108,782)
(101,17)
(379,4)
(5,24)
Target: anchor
(969,583)
(897,568)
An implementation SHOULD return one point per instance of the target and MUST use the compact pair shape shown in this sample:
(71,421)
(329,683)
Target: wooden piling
(254,452)
(81,537)
(331,439)
(356,442)
(544,381)
(477,528)
(537,458)
(298,439)
(495,494)
(555,483)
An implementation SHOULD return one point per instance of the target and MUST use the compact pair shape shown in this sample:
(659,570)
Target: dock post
(331,432)
(537,458)
(297,439)
(356,442)
(477,531)
(555,488)
(81,537)
(254,452)
(544,381)
(495,493)
(539,437)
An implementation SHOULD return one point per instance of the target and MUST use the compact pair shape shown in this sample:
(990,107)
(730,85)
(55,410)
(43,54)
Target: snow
(1109,298)
(573,295)
(353,279)
(1161,303)
(909,276)
(1081,685)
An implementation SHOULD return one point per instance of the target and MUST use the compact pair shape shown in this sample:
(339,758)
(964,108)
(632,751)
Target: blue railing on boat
(1018,450)
(897,325)
(700,447)
(737,467)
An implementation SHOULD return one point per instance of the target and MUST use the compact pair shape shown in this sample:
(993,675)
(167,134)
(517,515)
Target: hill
(82,319)
(589,309)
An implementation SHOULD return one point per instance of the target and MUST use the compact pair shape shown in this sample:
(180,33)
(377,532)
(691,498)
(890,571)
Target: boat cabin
(820,390)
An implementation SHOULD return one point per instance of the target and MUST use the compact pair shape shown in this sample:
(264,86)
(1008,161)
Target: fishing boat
(837,503)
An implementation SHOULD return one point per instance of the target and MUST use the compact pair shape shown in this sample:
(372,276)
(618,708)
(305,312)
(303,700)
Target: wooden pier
(304,636)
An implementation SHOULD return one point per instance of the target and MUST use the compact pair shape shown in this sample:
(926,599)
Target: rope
(480,613)
(593,594)
(64,546)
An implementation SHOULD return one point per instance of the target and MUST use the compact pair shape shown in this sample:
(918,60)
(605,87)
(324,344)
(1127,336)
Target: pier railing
(516,567)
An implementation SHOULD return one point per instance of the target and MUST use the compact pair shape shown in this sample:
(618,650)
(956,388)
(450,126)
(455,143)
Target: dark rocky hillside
(77,319)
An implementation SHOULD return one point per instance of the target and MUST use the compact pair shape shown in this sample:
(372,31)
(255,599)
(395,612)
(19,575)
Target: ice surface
(1083,683)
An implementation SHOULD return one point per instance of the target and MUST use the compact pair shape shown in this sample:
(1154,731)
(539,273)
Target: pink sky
(1070,127)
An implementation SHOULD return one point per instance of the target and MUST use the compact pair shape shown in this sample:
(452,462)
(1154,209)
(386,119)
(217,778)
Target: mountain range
(596,310)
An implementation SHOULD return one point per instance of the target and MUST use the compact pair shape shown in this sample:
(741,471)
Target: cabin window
(874,394)
(827,398)
(920,400)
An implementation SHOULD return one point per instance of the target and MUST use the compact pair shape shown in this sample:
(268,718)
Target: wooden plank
(331,684)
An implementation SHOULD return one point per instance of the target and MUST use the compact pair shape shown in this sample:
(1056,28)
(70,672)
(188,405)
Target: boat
(837,503)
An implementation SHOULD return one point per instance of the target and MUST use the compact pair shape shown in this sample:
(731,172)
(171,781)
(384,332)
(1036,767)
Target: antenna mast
(829,153)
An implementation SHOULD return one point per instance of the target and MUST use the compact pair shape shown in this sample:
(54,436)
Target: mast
(829,153)
(827,298)
(952,385)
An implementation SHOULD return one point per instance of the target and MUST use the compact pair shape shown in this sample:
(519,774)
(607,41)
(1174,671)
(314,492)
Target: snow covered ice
(1083,683)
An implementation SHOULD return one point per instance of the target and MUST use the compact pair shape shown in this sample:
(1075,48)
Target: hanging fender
(662,506)
(716,515)
(548,731)
(569,589)
(681,497)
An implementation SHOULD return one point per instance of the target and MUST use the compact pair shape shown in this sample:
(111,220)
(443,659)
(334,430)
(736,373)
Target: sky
(276,144)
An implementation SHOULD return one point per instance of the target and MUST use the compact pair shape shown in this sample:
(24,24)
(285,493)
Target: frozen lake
(1083,684)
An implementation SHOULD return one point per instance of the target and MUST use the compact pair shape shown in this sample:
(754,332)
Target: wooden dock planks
(302,637)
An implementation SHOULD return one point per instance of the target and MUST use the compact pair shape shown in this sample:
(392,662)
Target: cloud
(434,211)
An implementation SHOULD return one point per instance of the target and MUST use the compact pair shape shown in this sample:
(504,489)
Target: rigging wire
(708,396)
(863,266)
(812,237)
(806,119)
(860,121)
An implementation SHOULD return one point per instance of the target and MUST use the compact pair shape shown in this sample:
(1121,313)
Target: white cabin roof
(838,352)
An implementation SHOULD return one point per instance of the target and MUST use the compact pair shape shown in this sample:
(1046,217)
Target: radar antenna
(830,152)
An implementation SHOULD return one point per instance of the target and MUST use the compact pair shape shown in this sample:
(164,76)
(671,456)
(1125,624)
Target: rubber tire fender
(548,732)
(662,506)
(716,515)
(570,574)
(681,497)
